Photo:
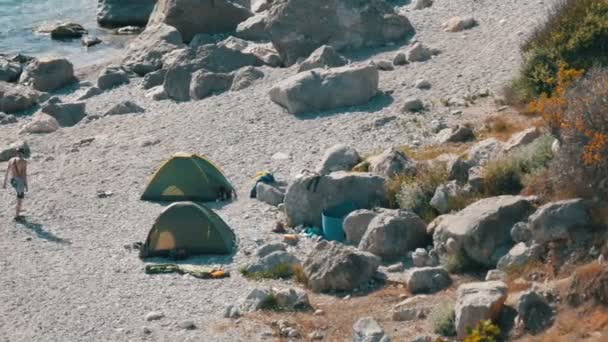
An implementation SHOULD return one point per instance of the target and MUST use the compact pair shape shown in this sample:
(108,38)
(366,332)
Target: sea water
(20,19)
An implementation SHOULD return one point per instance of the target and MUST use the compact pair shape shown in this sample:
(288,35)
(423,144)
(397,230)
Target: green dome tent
(186,229)
(188,177)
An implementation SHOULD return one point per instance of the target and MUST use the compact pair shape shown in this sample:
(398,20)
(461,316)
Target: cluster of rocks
(284,299)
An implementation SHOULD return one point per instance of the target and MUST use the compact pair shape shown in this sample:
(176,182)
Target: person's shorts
(19,186)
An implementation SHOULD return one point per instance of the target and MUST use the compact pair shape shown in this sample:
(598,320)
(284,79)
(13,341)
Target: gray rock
(458,133)
(270,248)
(67,31)
(88,93)
(398,267)
(484,151)
(477,178)
(255,300)
(90,41)
(476,302)
(146,52)
(41,123)
(368,330)
(6,119)
(264,52)
(205,84)
(245,77)
(125,107)
(258,6)
(393,233)
(422,84)
(232,311)
(456,24)
(521,232)
(481,231)
(208,59)
(154,316)
(9,70)
(112,76)
(400,59)
(129,30)
(496,275)
(190,17)
(187,325)
(427,279)
(356,223)
(154,79)
(422,4)
(413,308)
(298,28)
(333,266)
(271,261)
(420,257)
(48,74)
(522,138)
(11,151)
(534,312)
(554,220)
(392,162)
(519,256)
(308,196)
(157,93)
(201,39)
(317,90)
(254,28)
(412,105)
(66,114)
(270,193)
(338,158)
(117,13)
(384,65)
(458,169)
(444,196)
(323,57)
(292,299)
(418,52)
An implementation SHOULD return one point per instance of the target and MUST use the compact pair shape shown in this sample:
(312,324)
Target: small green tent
(186,229)
(187,177)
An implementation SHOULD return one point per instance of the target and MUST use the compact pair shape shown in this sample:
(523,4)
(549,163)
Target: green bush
(486,331)
(575,35)
(506,176)
(442,319)
(281,271)
(415,192)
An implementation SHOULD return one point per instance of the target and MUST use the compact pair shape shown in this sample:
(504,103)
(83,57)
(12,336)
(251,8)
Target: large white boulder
(317,90)
(323,57)
(481,231)
(146,53)
(119,13)
(333,266)
(190,17)
(298,27)
(309,195)
(338,158)
(41,123)
(48,74)
(15,98)
(476,302)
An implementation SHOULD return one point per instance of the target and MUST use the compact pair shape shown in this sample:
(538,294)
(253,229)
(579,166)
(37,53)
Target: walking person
(17,171)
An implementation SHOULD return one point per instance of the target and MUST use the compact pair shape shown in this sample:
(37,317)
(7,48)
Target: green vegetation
(442,319)
(507,175)
(415,192)
(281,271)
(486,331)
(575,36)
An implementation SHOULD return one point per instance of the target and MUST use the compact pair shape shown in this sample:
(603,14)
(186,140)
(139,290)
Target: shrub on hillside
(507,175)
(415,192)
(575,35)
(442,319)
(485,331)
(581,167)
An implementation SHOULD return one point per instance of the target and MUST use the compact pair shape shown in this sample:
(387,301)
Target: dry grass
(502,127)
(433,151)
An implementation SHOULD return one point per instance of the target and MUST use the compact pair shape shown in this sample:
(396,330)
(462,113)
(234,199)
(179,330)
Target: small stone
(384,65)
(412,105)
(400,59)
(146,330)
(422,84)
(187,325)
(280,156)
(319,312)
(395,268)
(154,316)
